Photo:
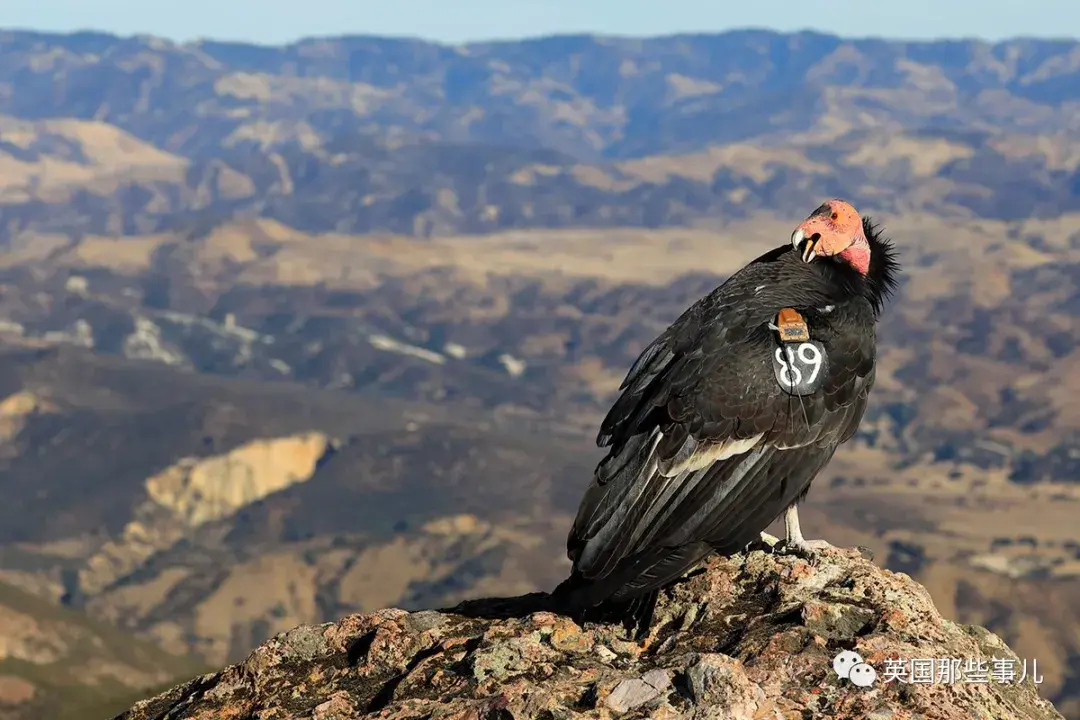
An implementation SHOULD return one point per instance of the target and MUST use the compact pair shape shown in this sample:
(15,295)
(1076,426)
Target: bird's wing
(727,508)
(705,444)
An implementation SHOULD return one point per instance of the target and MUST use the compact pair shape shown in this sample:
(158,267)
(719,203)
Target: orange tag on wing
(792,326)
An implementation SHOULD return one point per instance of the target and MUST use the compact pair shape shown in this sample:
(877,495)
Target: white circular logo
(846,660)
(862,675)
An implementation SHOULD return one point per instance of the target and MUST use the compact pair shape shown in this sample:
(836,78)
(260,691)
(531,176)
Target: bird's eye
(835,215)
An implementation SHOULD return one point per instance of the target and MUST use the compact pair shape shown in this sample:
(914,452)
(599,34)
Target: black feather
(704,448)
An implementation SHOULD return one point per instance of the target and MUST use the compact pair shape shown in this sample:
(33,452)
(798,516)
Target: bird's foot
(813,550)
(809,550)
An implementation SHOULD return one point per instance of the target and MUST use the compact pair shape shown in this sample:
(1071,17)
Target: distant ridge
(365,134)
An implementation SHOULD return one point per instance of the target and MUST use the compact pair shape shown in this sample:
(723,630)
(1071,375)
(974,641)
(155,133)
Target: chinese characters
(947,671)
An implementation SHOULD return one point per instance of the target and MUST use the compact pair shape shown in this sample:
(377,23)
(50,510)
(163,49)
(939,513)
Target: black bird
(725,418)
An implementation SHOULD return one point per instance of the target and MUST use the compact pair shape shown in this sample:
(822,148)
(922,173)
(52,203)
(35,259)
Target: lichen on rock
(749,637)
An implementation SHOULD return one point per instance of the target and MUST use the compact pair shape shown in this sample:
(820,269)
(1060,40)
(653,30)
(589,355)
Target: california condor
(726,418)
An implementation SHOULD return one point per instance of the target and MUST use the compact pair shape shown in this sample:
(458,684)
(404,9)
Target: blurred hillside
(298,318)
(57,663)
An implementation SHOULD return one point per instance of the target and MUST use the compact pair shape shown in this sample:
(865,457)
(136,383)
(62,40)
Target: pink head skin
(834,230)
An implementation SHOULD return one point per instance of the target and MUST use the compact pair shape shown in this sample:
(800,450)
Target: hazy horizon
(277,22)
(530,38)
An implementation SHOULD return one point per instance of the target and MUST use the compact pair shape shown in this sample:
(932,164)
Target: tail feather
(640,616)
(635,614)
(629,594)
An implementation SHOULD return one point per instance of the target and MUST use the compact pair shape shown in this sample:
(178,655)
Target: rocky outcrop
(195,491)
(199,490)
(748,637)
(15,411)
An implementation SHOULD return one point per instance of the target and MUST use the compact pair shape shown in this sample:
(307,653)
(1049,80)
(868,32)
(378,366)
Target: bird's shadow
(505,608)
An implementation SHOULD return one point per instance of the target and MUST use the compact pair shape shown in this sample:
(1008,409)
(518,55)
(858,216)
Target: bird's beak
(808,251)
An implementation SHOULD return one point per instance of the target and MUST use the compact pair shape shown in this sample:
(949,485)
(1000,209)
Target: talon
(818,545)
(809,550)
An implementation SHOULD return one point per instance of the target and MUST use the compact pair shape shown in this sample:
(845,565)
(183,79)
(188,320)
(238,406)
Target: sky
(456,21)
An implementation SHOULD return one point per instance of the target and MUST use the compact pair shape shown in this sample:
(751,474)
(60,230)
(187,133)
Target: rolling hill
(58,663)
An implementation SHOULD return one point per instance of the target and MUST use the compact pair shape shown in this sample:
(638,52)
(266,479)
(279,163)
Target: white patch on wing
(711,503)
(675,485)
(695,456)
(828,309)
(795,446)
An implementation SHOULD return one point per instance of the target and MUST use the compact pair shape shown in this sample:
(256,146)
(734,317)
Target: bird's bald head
(834,230)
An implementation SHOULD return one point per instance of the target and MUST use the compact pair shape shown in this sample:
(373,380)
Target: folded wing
(706,449)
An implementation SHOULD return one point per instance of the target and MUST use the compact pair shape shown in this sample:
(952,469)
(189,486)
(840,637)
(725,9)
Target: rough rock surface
(750,637)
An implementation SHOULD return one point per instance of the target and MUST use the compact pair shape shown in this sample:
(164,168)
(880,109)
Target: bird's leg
(794,542)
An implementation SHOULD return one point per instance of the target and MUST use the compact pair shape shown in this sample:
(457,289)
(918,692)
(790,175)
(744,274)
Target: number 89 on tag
(800,368)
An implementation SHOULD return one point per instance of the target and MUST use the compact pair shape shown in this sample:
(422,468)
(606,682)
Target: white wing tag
(799,363)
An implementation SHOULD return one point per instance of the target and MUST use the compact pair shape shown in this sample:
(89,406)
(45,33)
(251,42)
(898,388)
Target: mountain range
(291,332)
